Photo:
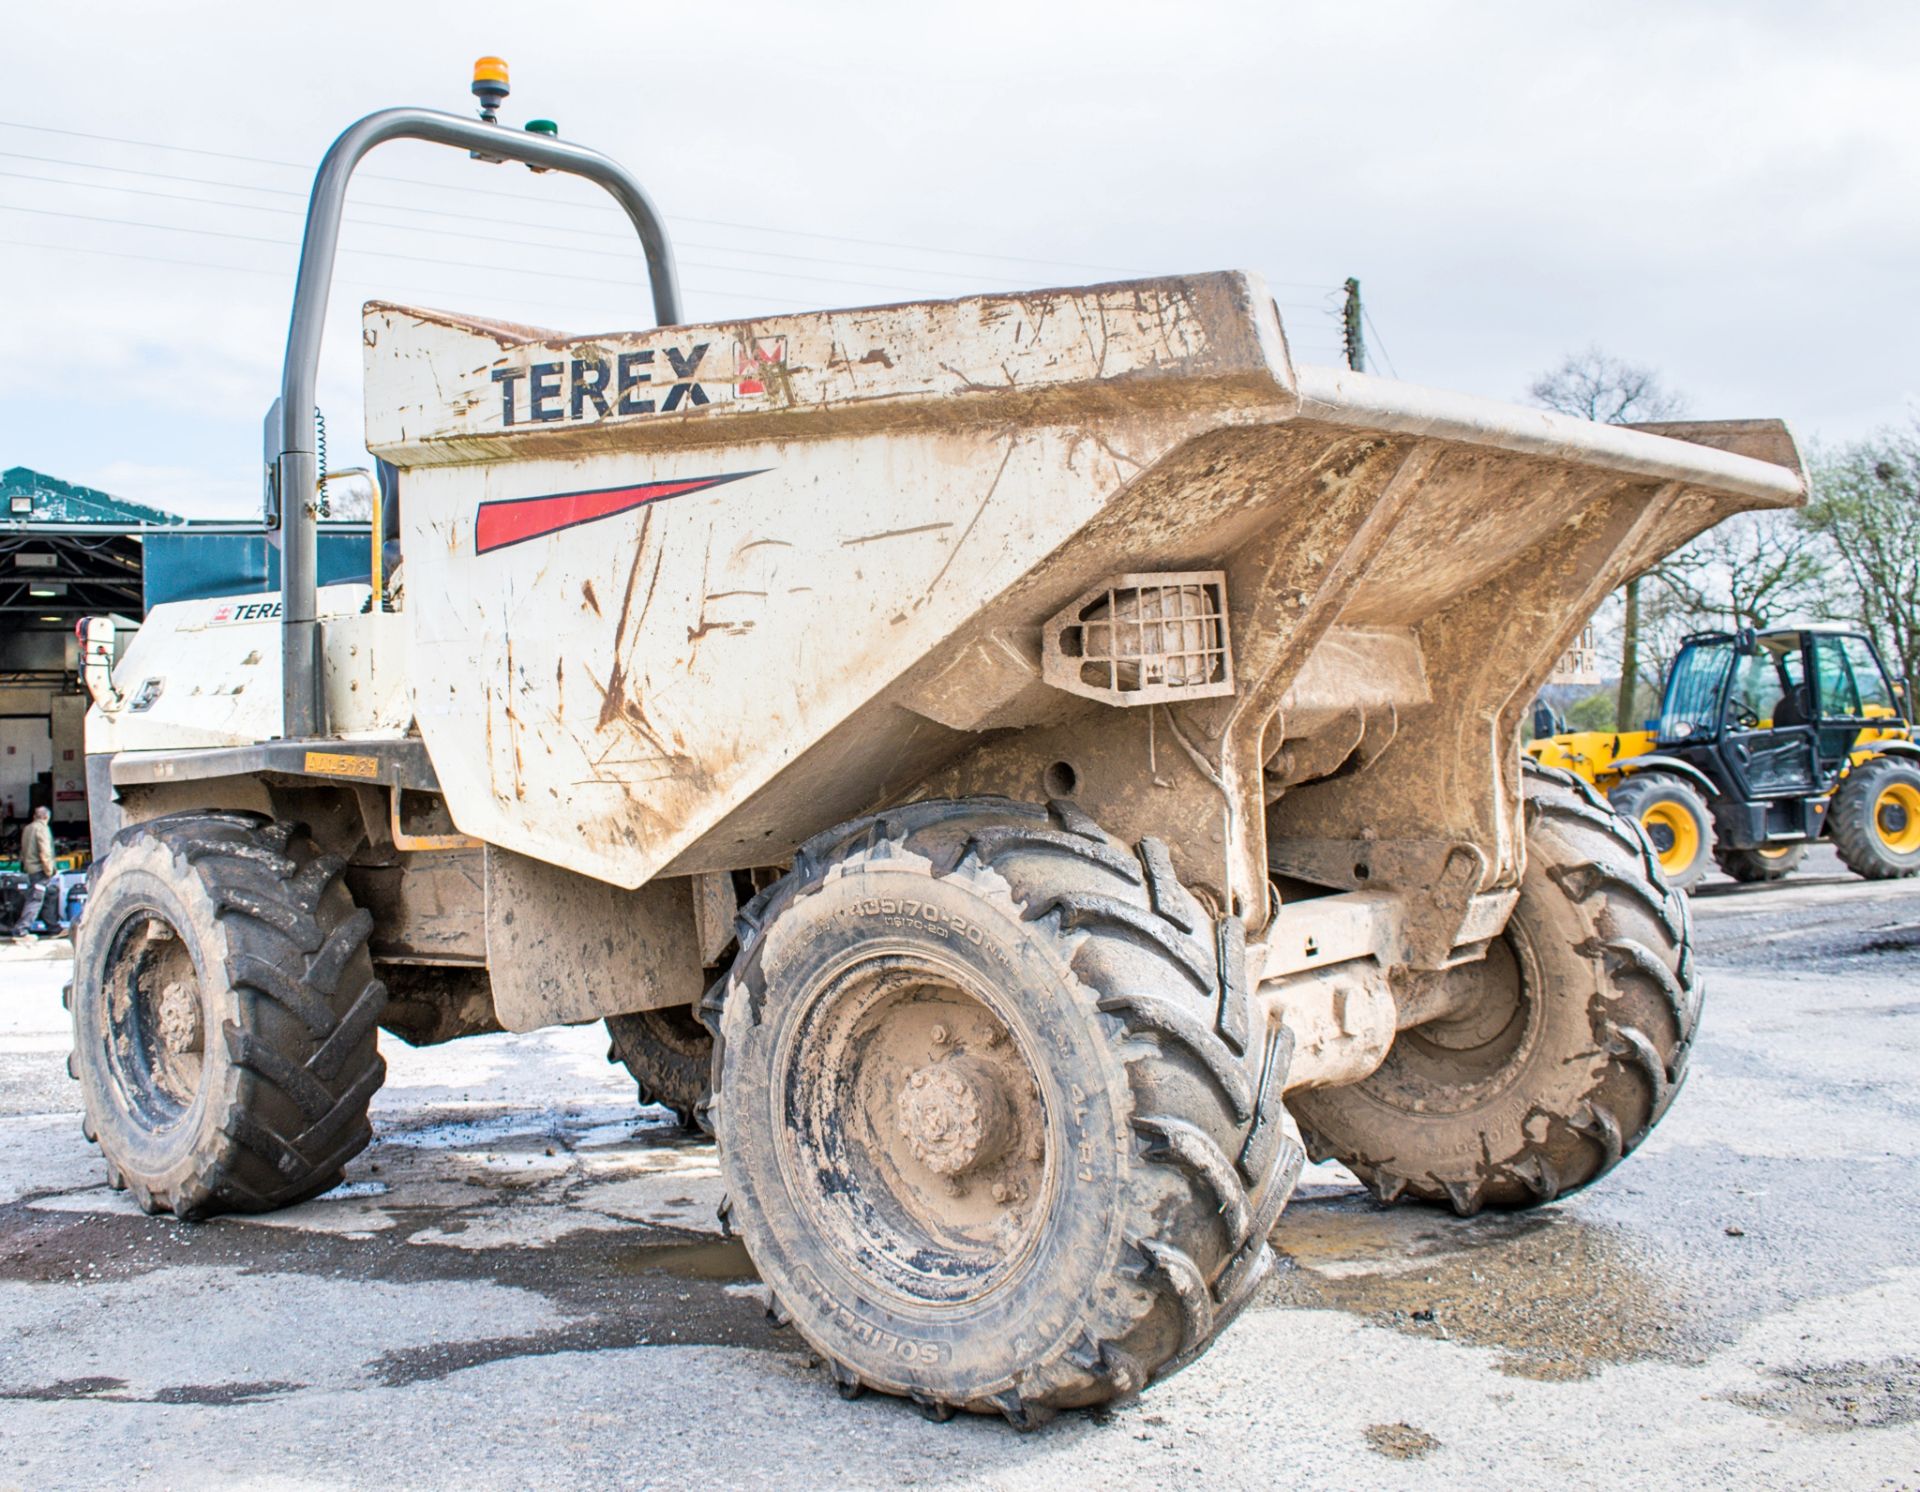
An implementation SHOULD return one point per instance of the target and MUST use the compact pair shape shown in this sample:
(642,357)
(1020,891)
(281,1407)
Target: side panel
(601,695)
(563,947)
(207,674)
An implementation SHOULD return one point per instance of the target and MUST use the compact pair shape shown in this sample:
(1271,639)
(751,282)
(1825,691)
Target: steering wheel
(1745,716)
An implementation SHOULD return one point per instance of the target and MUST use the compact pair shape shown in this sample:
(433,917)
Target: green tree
(1595,712)
(1866,504)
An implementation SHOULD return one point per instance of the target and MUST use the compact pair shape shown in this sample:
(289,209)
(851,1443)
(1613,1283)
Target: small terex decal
(515,520)
(243,611)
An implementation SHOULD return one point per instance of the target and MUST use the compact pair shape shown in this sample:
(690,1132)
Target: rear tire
(1576,1048)
(994,1124)
(1875,819)
(1758,865)
(669,1055)
(1675,817)
(224,1015)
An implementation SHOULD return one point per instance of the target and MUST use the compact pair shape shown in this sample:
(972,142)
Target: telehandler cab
(1063,752)
(1764,743)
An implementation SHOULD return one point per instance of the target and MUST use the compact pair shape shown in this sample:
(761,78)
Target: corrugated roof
(55,501)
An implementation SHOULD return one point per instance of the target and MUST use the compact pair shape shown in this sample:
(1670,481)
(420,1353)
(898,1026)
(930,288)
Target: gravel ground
(520,1285)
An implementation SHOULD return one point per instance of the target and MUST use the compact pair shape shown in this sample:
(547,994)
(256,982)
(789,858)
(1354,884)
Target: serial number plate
(339,764)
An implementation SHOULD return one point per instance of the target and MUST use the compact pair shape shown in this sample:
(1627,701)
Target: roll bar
(292,461)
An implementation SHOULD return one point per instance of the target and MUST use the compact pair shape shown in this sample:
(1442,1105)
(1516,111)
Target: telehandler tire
(1875,819)
(669,1055)
(224,1015)
(996,1127)
(1573,1051)
(1759,865)
(1676,819)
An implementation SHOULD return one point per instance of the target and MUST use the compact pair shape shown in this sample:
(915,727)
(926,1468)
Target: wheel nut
(939,1035)
(1000,1192)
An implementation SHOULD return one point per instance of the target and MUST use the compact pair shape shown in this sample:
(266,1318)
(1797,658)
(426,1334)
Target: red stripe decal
(515,520)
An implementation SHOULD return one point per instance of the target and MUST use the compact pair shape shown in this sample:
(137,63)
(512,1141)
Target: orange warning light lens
(490,70)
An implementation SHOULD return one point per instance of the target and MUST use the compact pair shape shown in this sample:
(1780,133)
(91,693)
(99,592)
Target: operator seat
(1792,709)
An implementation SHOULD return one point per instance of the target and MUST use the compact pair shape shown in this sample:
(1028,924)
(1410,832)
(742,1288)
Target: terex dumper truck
(1065,752)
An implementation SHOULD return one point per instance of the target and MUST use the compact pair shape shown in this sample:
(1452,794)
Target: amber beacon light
(490,86)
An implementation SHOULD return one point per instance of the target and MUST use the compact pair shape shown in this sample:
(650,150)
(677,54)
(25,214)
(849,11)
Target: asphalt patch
(1400,1441)
(1560,1297)
(1839,1396)
(614,1287)
(111,1391)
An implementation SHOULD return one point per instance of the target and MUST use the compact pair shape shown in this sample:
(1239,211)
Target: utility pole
(1623,716)
(1350,318)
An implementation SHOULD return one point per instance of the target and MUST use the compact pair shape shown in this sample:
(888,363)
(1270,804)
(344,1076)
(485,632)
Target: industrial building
(68,552)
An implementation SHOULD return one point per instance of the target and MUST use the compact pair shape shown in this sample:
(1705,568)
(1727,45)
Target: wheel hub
(1675,836)
(158,1050)
(954,1116)
(1897,816)
(177,1016)
(915,1132)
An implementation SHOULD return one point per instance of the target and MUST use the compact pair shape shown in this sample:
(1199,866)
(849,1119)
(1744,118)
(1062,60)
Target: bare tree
(1866,503)
(1592,385)
(1752,570)
(350,498)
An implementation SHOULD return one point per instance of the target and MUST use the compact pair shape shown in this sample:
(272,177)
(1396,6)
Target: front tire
(1575,1045)
(1875,819)
(224,1014)
(1757,866)
(995,1127)
(1677,821)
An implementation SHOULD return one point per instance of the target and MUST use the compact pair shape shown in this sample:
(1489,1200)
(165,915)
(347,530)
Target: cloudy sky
(1730,193)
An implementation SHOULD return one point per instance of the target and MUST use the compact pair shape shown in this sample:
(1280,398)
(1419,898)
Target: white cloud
(1726,193)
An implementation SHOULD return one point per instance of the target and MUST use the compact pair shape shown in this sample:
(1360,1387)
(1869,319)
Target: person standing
(36,864)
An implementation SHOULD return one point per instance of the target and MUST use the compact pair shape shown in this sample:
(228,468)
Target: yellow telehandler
(1764,743)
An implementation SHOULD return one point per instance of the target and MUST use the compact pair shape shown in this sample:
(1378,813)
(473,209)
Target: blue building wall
(189,566)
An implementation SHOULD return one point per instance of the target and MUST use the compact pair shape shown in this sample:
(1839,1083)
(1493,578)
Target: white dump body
(673,582)
(674,600)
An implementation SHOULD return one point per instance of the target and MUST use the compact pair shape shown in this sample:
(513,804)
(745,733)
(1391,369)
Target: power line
(498,239)
(973,276)
(966,276)
(576,206)
(434,293)
(544,273)
(1374,332)
(493,238)
(746,269)
(396,290)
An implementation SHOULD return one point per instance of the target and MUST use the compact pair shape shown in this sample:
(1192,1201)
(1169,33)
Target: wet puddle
(1560,1297)
(709,1259)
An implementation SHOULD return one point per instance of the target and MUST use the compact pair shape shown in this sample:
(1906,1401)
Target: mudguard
(1655,761)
